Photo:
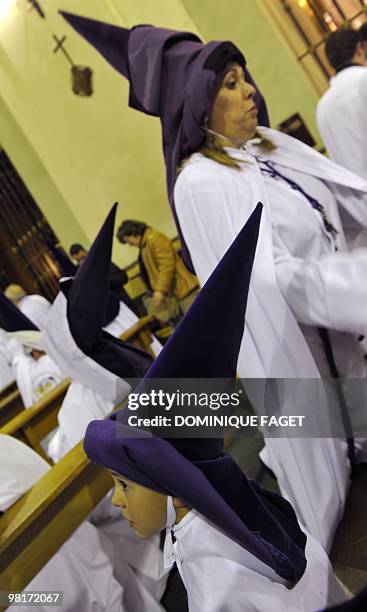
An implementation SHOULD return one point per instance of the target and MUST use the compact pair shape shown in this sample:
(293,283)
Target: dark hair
(340,47)
(76,248)
(131,228)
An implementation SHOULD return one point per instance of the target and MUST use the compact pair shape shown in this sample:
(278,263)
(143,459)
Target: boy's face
(145,509)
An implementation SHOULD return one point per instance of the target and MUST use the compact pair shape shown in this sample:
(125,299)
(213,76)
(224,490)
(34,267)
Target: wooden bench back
(33,424)
(37,525)
(139,334)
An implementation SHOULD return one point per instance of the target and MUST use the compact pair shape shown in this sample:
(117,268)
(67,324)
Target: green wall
(79,155)
(272,64)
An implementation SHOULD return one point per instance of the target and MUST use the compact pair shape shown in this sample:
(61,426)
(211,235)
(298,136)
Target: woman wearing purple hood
(308,291)
(237,547)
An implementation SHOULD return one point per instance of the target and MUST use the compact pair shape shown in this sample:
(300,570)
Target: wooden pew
(10,404)
(35,527)
(33,424)
(139,334)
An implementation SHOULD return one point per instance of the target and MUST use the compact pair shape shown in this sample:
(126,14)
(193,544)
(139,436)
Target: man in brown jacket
(161,267)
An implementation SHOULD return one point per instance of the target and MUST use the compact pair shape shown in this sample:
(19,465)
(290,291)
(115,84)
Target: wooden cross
(60,43)
(81,75)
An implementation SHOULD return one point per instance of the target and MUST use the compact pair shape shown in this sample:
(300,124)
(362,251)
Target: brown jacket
(165,268)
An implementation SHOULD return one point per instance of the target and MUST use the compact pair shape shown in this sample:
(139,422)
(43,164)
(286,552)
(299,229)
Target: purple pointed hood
(11,318)
(83,306)
(173,76)
(196,470)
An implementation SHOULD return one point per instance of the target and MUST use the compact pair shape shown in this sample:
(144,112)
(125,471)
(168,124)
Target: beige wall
(271,62)
(79,155)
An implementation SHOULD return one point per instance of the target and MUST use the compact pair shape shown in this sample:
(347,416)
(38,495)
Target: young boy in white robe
(237,547)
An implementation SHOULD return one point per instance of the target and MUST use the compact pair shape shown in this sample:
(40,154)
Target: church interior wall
(281,79)
(78,155)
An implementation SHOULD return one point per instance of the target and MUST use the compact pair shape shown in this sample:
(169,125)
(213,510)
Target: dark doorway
(26,238)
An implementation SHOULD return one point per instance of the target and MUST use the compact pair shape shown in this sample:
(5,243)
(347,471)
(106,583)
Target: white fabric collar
(168,549)
(345,73)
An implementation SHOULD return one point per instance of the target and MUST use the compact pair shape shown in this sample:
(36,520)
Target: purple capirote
(173,76)
(11,318)
(89,300)
(195,470)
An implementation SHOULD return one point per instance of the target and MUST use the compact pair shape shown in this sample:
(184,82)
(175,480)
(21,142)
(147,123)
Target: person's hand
(158,298)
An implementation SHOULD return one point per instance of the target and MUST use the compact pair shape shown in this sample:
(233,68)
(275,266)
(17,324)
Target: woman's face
(234,112)
(145,509)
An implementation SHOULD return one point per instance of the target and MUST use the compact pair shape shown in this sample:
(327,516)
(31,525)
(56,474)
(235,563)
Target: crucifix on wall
(81,75)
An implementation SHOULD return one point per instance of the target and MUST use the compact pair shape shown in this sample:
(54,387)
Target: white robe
(125,319)
(36,308)
(342,118)
(6,374)
(35,378)
(80,406)
(213,202)
(83,403)
(81,568)
(221,576)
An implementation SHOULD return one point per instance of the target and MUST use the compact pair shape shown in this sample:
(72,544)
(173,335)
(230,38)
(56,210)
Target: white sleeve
(329,292)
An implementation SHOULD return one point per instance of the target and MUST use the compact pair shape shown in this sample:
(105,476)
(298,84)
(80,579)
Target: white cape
(36,308)
(213,203)
(75,364)
(80,406)
(221,576)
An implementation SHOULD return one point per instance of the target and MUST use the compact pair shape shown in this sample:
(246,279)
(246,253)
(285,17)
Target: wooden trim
(33,424)
(139,335)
